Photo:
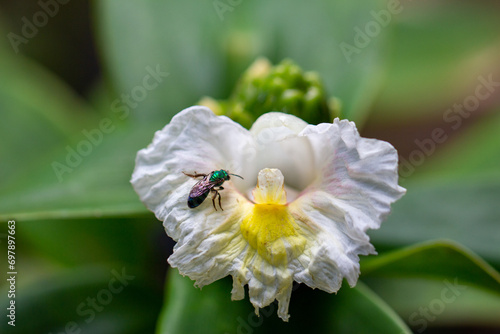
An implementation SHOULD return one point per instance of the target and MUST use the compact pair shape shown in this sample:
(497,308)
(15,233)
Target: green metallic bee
(208,184)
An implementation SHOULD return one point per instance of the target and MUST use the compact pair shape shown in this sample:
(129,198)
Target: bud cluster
(284,87)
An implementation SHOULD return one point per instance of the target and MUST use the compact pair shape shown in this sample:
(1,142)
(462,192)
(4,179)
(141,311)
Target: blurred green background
(75,108)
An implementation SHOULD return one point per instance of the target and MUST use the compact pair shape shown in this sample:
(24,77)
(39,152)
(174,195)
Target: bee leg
(220,205)
(216,193)
(213,198)
(195,175)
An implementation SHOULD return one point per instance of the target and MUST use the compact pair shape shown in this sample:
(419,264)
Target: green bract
(284,87)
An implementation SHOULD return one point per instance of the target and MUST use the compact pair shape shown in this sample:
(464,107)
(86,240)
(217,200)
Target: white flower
(301,213)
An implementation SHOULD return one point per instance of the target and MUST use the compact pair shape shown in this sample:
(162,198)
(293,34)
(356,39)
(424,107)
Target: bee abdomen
(193,202)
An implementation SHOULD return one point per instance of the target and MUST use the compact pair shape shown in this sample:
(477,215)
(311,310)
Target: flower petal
(353,193)
(280,124)
(194,141)
(254,244)
(360,172)
(223,250)
(278,146)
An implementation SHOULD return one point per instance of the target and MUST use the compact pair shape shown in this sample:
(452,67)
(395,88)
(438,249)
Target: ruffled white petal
(338,185)
(356,184)
(277,145)
(360,173)
(194,141)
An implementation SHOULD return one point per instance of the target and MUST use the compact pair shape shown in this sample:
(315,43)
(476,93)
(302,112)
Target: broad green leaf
(438,51)
(211,307)
(109,298)
(475,152)
(38,113)
(360,310)
(436,260)
(97,184)
(61,165)
(436,304)
(356,310)
(205,46)
(435,284)
(72,242)
(41,116)
(466,212)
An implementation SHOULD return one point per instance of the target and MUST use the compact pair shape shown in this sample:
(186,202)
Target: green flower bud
(284,87)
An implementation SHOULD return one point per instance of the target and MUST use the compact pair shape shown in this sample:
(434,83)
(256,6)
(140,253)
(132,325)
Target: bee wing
(201,187)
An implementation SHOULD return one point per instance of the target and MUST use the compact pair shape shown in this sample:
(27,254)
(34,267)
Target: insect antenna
(237,176)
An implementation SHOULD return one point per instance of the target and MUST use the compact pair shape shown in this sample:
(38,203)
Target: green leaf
(205,48)
(436,260)
(211,307)
(433,303)
(473,153)
(437,283)
(360,310)
(72,242)
(96,186)
(426,76)
(356,310)
(42,121)
(38,113)
(466,211)
(94,299)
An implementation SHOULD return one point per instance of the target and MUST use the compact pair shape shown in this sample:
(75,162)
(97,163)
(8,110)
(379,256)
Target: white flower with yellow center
(301,213)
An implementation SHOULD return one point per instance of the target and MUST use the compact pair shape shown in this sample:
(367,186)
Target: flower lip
(277,144)
(290,125)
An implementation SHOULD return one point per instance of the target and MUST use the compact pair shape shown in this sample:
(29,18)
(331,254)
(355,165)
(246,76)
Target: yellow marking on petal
(271,230)
(269,226)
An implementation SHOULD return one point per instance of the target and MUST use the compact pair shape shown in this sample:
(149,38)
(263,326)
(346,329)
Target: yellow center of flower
(269,227)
